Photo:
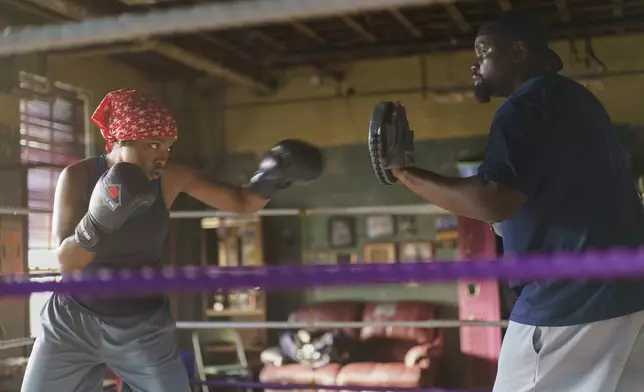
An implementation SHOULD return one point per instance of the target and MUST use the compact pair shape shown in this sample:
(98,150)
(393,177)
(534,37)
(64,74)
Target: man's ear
(520,51)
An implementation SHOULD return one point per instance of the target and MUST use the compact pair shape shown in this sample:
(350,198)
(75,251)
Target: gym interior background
(281,88)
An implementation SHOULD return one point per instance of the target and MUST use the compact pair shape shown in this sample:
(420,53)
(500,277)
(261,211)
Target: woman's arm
(69,208)
(288,163)
(179,178)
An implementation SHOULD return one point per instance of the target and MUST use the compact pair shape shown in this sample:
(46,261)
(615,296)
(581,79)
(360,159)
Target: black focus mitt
(391,141)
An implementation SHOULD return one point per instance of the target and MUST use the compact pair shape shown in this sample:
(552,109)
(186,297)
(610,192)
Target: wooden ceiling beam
(303,29)
(618,8)
(563,11)
(426,45)
(282,47)
(406,23)
(458,18)
(71,10)
(358,29)
(505,5)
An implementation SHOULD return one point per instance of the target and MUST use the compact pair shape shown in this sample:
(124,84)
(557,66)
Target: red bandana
(131,115)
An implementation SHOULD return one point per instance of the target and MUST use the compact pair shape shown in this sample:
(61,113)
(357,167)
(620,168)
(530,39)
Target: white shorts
(604,356)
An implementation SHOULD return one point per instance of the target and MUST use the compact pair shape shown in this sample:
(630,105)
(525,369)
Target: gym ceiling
(258,54)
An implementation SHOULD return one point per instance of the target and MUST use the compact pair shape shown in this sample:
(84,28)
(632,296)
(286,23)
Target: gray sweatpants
(604,356)
(75,348)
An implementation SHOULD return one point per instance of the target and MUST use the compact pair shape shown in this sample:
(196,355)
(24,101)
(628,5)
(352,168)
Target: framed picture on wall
(407,225)
(346,258)
(319,258)
(446,228)
(415,252)
(383,253)
(380,226)
(341,232)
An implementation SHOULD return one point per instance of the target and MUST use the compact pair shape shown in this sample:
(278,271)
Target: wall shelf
(234,313)
(234,243)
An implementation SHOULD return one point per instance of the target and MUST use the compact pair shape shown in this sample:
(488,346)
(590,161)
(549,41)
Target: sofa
(381,356)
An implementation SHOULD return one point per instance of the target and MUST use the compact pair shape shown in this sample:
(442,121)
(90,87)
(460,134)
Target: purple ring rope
(619,263)
(356,388)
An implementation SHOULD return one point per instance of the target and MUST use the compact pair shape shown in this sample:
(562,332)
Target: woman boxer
(111,211)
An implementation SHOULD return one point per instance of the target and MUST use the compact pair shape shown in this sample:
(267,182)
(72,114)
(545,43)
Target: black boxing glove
(118,192)
(289,162)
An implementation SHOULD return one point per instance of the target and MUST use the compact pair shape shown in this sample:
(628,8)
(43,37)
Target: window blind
(52,135)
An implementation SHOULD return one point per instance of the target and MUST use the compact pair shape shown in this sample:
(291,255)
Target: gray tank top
(138,243)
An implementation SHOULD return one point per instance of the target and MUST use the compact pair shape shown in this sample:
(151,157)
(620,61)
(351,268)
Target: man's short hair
(520,26)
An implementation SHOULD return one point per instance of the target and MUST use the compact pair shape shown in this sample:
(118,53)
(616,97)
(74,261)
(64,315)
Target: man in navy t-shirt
(554,178)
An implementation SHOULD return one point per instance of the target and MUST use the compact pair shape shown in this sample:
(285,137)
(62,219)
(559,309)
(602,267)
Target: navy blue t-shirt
(554,141)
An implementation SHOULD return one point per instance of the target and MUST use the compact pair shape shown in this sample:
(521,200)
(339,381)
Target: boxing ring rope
(598,265)
(615,263)
(413,209)
(339,325)
(15,343)
(131,26)
(195,325)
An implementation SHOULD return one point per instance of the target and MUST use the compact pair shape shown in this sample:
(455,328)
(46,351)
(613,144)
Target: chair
(294,373)
(396,357)
(220,337)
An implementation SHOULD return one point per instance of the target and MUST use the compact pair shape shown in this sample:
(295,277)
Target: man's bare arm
(472,197)
(69,208)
